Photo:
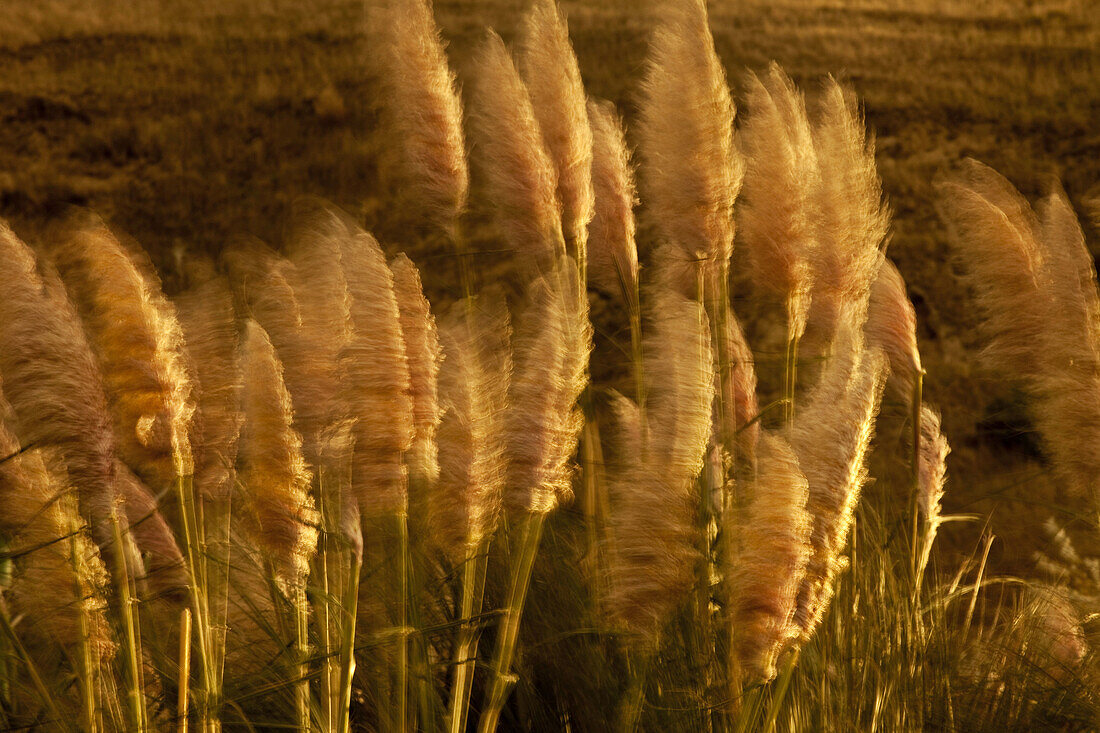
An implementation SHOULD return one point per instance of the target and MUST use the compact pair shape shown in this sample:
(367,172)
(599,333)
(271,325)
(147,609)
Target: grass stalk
(301,643)
(185,671)
(135,688)
(508,632)
(474,570)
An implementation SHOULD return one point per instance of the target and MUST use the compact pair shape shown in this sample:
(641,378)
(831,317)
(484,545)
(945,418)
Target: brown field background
(186,124)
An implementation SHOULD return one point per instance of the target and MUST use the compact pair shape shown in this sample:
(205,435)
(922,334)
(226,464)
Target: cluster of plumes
(59,582)
(1035,287)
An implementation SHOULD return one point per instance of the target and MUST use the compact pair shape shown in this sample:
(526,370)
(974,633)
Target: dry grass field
(190,127)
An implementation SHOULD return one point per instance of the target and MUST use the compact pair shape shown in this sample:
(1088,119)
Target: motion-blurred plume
(423,354)
(422,113)
(281,516)
(692,170)
(553,79)
(932,470)
(519,176)
(892,326)
(139,346)
(831,437)
(57,576)
(654,550)
(209,325)
(1035,287)
(376,380)
(612,252)
(552,342)
(52,381)
(781,182)
(473,392)
(769,563)
(853,221)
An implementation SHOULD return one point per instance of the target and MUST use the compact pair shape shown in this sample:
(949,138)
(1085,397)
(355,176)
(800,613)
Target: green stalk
(301,642)
(508,632)
(194,544)
(88,712)
(135,694)
(348,610)
(403,622)
(185,670)
(474,570)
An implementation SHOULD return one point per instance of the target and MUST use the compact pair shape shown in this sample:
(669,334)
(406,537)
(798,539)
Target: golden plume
(553,339)
(612,253)
(853,221)
(376,380)
(737,391)
(273,472)
(58,575)
(692,170)
(781,180)
(422,113)
(139,346)
(164,566)
(769,564)
(654,526)
(52,381)
(892,326)
(831,438)
(932,466)
(519,177)
(473,392)
(423,354)
(210,331)
(553,79)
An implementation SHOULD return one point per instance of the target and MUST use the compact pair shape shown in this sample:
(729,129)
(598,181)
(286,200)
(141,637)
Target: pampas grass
(519,175)
(139,346)
(612,252)
(553,80)
(422,113)
(892,326)
(53,382)
(691,170)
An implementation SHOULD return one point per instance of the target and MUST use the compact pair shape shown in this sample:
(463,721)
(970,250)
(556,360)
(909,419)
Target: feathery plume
(423,354)
(831,437)
(932,467)
(210,332)
(552,342)
(781,179)
(519,176)
(993,230)
(692,169)
(549,69)
(770,562)
(139,346)
(653,505)
(892,326)
(273,470)
(376,379)
(612,252)
(852,222)
(422,113)
(473,392)
(52,381)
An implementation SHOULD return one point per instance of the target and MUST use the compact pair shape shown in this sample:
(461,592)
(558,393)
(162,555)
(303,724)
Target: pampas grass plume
(892,326)
(273,470)
(692,169)
(549,69)
(422,112)
(612,253)
(519,176)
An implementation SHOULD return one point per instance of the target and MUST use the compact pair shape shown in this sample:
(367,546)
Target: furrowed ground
(187,124)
